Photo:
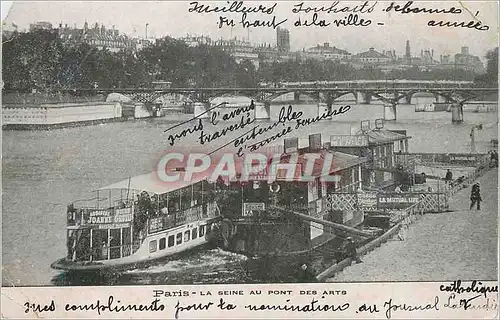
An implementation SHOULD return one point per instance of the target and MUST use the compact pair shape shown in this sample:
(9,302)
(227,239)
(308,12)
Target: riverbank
(461,244)
(42,127)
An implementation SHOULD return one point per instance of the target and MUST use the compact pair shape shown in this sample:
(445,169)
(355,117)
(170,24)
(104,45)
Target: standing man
(397,189)
(475,196)
(448,177)
(493,159)
(305,275)
(350,248)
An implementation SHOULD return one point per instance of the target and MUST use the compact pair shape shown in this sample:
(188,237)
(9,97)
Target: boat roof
(384,136)
(151,183)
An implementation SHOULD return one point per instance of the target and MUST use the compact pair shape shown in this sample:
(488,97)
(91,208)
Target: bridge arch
(338,95)
(435,93)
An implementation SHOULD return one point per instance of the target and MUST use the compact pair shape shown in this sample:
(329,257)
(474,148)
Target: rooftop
(326,47)
(372,53)
(384,136)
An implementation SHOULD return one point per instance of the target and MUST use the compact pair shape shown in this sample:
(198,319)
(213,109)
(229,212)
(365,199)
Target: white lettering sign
(98,213)
(349,141)
(114,226)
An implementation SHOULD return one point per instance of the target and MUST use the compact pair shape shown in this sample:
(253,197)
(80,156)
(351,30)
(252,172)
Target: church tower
(408,52)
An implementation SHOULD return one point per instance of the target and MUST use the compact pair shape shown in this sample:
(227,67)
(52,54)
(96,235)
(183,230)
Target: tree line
(41,60)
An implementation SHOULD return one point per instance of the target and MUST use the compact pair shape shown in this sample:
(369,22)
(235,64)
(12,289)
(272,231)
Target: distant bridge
(375,84)
(390,94)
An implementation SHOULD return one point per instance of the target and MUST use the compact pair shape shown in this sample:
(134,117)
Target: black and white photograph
(176,143)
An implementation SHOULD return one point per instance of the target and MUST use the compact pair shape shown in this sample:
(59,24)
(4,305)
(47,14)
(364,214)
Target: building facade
(379,147)
(326,52)
(40,25)
(465,60)
(53,114)
(371,57)
(239,50)
(97,36)
(195,41)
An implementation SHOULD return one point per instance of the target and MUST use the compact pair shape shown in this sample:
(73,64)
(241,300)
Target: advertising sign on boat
(398,200)
(155,224)
(349,141)
(463,159)
(367,201)
(109,219)
(250,207)
(291,144)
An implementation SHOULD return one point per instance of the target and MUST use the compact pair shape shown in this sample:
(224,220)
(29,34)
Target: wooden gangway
(333,225)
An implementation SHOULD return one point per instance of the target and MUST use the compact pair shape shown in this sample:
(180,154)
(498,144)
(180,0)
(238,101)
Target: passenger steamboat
(143,220)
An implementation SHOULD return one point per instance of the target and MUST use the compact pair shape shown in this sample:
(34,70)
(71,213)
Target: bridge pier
(296,96)
(324,108)
(200,110)
(405,100)
(457,113)
(390,111)
(363,97)
(439,98)
(422,104)
(262,110)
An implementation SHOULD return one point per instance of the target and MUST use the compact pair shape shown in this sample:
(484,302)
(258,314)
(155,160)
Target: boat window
(80,241)
(202,230)
(174,202)
(197,192)
(209,228)
(115,243)
(126,242)
(179,238)
(171,241)
(186,198)
(194,233)
(187,235)
(163,243)
(319,185)
(152,246)
(99,244)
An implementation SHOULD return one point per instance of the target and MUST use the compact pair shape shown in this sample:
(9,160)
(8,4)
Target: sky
(173,19)
(5,8)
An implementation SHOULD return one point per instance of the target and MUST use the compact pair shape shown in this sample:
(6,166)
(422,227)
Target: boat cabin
(308,191)
(380,147)
(125,213)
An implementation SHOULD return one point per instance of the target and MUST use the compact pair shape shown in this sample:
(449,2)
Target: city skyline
(169,19)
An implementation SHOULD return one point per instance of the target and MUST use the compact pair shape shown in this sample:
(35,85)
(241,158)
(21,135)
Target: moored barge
(148,221)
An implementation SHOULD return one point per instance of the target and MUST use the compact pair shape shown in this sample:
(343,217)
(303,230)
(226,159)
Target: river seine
(43,171)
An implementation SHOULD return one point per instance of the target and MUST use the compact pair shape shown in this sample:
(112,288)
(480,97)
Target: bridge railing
(463,159)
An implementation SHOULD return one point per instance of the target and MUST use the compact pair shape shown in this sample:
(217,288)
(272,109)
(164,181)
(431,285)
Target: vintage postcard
(250,159)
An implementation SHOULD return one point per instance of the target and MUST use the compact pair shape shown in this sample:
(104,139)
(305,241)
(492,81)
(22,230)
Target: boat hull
(64,264)
(149,251)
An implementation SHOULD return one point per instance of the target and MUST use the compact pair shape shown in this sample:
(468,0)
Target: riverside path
(458,245)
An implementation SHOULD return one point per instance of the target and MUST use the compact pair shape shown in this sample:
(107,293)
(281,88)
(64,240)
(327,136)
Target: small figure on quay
(351,250)
(449,176)
(397,189)
(423,177)
(475,196)
(493,159)
(305,275)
